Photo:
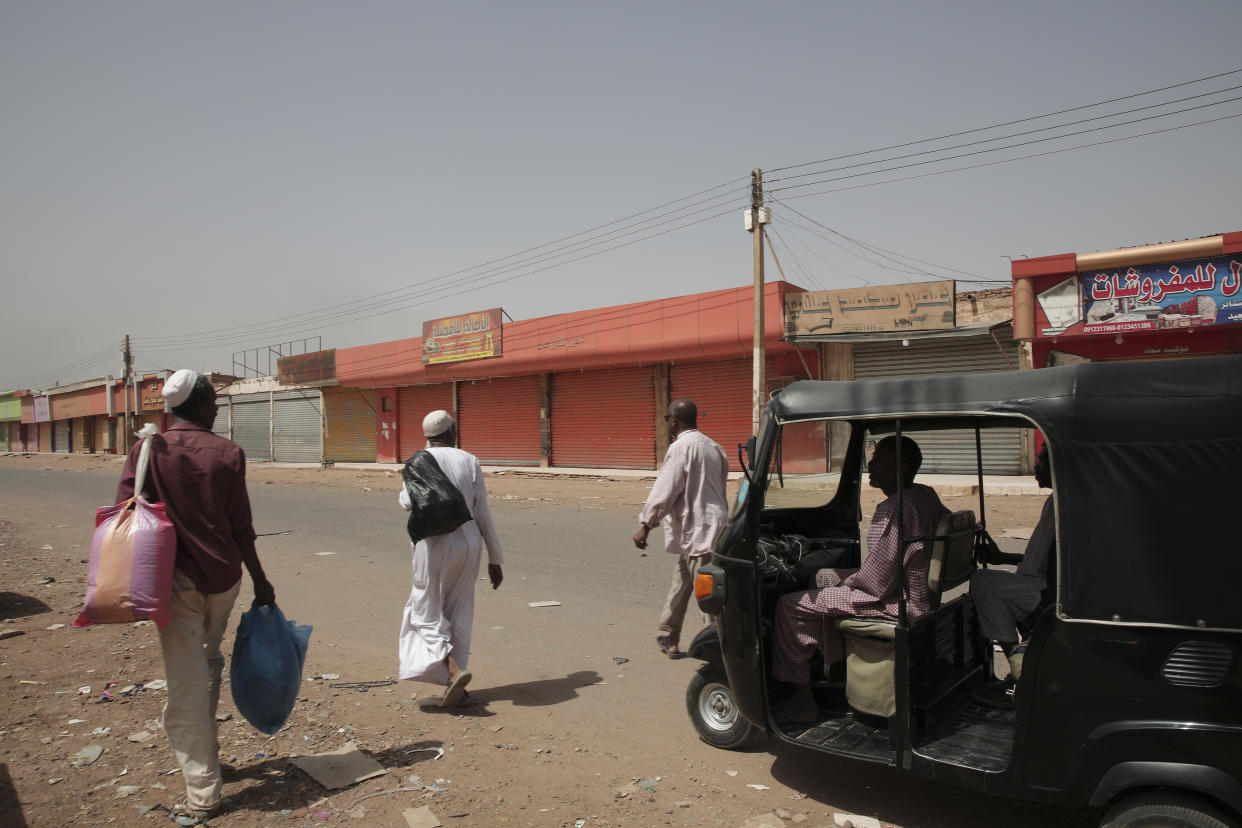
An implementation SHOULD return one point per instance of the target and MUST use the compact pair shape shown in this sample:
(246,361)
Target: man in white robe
(434,643)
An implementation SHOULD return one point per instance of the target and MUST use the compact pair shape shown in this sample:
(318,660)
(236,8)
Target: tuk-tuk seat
(869,650)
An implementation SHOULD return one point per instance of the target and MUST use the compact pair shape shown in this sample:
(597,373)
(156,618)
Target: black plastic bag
(436,506)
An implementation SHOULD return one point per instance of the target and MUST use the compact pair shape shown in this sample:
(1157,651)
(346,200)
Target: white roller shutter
(950,452)
(298,435)
(252,415)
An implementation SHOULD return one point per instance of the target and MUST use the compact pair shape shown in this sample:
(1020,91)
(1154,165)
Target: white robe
(439,614)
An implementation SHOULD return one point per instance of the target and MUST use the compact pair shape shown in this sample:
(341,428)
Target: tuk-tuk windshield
(804,469)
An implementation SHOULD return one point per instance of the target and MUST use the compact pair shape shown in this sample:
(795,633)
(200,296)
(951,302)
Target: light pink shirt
(688,497)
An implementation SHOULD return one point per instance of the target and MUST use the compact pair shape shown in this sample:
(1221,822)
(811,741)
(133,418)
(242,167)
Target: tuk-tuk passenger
(1005,599)
(867,592)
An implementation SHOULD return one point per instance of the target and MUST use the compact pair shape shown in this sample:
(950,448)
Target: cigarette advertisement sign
(458,338)
(921,306)
(1162,296)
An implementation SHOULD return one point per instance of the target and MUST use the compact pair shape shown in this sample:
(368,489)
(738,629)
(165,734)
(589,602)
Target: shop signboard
(1162,296)
(466,336)
(305,369)
(920,306)
(42,410)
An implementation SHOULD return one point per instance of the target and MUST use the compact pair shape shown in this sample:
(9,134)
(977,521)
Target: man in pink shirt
(688,500)
(868,592)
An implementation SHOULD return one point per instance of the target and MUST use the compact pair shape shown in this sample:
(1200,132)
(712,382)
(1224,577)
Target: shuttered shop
(950,452)
(298,426)
(721,391)
(61,439)
(604,419)
(414,403)
(45,436)
(252,422)
(221,426)
(102,443)
(349,425)
(83,430)
(499,420)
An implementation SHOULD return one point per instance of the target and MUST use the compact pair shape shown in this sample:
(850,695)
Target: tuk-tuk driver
(867,592)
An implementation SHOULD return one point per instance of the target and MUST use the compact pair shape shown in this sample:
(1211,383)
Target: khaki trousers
(193,667)
(679,596)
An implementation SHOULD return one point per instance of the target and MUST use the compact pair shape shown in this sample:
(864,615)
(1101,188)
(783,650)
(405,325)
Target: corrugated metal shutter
(413,403)
(83,431)
(349,433)
(221,425)
(101,435)
(45,436)
(6,439)
(604,419)
(499,420)
(721,390)
(298,434)
(252,425)
(949,452)
(61,440)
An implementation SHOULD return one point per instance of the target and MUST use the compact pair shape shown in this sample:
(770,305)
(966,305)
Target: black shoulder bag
(436,506)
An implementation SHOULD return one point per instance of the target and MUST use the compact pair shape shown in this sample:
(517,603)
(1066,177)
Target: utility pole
(757,217)
(127,357)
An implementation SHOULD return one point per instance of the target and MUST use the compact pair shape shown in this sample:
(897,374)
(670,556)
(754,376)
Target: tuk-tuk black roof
(1145,462)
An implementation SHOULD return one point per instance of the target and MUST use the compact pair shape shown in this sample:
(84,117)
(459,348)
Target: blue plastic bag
(266,671)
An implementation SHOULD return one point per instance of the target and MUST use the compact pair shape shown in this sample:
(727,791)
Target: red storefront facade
(585,389)
(1159,301)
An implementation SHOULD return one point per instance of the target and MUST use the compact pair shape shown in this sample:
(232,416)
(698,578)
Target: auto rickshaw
(1129,695)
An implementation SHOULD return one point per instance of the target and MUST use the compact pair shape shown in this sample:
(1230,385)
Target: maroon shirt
(200,477)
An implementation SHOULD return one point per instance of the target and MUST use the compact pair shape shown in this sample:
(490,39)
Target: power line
(414,301)
(1010,123)
(425,286)
(1008,147)
(1009,160)
(35,380)
(894,256)
(1032,132)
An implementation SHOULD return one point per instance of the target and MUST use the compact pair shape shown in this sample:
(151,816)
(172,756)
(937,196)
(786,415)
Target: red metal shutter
(721,390)
(499,420)
(604,419)
(413,403)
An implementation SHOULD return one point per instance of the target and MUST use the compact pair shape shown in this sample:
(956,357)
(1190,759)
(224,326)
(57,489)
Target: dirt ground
(64,689)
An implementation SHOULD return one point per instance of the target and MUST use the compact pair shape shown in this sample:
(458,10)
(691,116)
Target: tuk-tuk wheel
(713,709)
(1165,809)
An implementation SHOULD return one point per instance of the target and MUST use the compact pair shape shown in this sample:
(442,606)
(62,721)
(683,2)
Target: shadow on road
(10,806)
(522,694)
(891,797)
(16,605)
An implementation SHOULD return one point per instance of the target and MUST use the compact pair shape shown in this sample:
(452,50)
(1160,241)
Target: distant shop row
(589,389)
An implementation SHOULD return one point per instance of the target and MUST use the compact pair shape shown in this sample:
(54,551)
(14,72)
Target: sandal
(456,689)
(668,647)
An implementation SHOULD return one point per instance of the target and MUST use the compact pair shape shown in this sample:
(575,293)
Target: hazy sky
(217,177)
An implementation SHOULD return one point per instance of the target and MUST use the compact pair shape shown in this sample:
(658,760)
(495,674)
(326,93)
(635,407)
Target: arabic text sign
(921,306)
(467,336)
(1163,296)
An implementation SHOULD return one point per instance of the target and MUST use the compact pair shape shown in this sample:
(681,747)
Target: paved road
(546,670)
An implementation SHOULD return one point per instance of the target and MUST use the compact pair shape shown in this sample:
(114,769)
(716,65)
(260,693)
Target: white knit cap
(177,388)
(436,423)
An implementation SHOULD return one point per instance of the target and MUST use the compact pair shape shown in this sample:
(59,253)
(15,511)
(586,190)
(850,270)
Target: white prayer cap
(177,388)
(436,423)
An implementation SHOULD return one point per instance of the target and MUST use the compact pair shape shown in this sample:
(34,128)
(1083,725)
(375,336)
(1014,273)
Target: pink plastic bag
(132,555)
